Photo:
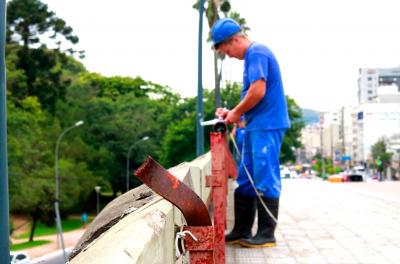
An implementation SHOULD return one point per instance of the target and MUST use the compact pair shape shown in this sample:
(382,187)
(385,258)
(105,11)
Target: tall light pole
(199,112)
(4,210)
(127,159)
(57,193)
(97,189)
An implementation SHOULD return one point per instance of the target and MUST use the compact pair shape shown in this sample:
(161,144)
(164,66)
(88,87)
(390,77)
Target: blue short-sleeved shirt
(271,112)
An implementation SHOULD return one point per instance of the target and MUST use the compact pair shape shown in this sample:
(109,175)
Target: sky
(320,45)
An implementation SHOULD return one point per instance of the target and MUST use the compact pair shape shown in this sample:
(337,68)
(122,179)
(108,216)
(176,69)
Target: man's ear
(235,38)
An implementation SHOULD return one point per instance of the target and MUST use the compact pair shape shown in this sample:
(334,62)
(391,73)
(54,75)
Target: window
(369,78)
(369,91)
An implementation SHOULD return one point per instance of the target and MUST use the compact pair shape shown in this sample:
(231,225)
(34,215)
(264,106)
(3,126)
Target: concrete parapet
(140,226)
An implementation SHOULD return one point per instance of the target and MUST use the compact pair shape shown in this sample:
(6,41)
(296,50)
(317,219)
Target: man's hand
(221,113)
(232,117)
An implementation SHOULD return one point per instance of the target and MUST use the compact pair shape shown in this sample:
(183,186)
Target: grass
(28,244)
(43,230)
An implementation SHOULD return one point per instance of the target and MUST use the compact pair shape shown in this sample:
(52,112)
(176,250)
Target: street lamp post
(199,112)
(127,159)
(97,189)
(57,193)
(4,200)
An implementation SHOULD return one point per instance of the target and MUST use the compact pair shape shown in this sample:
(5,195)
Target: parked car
(354,175)
(19,258)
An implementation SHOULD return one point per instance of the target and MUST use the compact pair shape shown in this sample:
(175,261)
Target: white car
(19,258)
(285,172)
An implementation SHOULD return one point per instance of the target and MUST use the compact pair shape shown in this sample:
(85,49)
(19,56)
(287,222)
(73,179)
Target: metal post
(219,191)
(199,116)
(4,210)
(97,189)
(97,204)
(57,192)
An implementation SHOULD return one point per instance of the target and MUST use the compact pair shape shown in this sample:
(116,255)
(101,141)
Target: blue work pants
(260,155)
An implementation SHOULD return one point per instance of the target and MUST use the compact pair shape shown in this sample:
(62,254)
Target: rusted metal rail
(208,242)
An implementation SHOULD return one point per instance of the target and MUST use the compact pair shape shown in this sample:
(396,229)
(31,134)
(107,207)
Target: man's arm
(254,95)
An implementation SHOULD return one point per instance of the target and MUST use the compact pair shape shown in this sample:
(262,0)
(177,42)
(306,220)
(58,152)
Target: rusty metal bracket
(171,188)
(189,203)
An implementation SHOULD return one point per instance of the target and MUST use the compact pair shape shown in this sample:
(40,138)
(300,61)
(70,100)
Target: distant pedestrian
(84,219)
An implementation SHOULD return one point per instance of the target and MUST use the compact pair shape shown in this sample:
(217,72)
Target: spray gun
(218,125)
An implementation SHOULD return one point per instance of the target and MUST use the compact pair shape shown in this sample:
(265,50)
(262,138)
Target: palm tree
(213,10)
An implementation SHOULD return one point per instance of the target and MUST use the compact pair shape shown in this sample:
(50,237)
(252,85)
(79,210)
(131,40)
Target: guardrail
(142,227)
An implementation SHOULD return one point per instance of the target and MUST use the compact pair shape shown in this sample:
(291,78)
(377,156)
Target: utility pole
(4,209)
(199,116)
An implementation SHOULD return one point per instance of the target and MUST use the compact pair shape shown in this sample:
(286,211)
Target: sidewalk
(70,239)
(322,222)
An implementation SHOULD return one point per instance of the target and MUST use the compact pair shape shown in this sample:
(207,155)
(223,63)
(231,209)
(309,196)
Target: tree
(30,26)
(381,157)
(28,20)
(31,164)
(291,141)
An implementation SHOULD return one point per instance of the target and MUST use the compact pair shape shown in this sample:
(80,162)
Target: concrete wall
(144,234)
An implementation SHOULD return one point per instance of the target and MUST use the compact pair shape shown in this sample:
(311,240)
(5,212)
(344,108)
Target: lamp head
(79,123)
(97,188)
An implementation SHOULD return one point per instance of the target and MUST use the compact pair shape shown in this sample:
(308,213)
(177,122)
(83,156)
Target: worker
(263,104)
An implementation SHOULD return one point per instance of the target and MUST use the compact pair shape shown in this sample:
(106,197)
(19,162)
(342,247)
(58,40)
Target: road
(322,222)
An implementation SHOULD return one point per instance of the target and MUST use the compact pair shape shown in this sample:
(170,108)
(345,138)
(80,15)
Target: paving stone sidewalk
(322,222)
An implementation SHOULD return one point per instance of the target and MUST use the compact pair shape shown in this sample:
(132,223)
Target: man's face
(230,48)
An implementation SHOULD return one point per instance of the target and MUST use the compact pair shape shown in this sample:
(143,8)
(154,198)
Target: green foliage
(34,69)
(28,20)
(179,142)
(291,141)
(379,153)
(29,244)
(44,229)
(330,168)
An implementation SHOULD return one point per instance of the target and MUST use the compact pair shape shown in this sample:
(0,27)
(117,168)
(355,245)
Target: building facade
(373,122)
(371,80)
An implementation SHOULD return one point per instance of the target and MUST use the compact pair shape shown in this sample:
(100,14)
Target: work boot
(245,211)
(266,225)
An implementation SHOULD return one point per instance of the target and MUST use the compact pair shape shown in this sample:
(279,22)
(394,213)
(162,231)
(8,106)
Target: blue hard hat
(223,29)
